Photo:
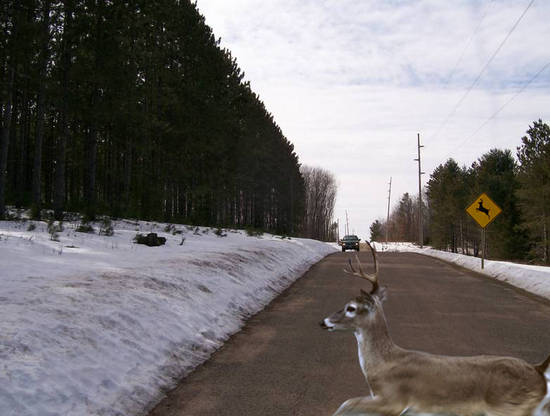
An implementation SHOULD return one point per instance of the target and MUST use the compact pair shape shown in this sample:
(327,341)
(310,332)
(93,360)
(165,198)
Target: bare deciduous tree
(320,190)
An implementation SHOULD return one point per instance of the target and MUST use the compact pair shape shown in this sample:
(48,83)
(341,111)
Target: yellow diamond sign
(483,210)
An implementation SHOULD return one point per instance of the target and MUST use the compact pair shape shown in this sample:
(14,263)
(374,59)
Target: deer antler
(373,278)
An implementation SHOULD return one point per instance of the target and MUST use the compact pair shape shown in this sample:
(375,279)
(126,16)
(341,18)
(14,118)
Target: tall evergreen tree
(447,198)
(376,231)
(11,20)
(133,109)
(403,218)
(495,173)
(44,55)
(534,192)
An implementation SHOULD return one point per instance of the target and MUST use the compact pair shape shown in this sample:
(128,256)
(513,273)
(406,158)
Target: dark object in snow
(106,227)
(220,233)
(254,232)
(151,239)
(54,229)
(84,227)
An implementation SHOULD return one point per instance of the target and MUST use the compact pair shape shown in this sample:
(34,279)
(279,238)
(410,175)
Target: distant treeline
(321,189)
(520,187)
(132,109)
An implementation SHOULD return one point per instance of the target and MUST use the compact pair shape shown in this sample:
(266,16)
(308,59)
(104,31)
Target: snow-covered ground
(534,279)
(98,325)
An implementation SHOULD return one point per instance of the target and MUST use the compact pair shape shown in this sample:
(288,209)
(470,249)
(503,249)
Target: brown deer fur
(402,379)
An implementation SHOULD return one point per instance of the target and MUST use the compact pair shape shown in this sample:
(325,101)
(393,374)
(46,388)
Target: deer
(482,209)
(402,380)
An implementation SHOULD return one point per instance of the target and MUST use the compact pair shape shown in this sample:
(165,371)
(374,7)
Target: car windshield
(351,238)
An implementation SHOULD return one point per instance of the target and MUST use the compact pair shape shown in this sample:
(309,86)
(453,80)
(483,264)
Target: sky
(352,82)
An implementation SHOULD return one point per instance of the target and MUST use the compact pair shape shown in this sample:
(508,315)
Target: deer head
(401,379)
(363,309)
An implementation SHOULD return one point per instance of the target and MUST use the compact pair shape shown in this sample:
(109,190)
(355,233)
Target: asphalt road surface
(282,363)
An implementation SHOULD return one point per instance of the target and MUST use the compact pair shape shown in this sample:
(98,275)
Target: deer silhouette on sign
(481,208)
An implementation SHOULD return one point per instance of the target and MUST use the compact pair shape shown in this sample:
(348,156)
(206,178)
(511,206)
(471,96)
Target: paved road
(283,364)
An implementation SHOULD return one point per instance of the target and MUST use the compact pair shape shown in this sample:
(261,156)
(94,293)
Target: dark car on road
(350,242)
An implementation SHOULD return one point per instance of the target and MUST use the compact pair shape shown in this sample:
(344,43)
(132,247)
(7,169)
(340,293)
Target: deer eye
(350,309)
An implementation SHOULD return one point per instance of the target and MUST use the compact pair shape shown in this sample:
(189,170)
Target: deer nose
(327,324)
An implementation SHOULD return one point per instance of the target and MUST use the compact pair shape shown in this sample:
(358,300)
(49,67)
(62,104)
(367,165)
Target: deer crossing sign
(483,210)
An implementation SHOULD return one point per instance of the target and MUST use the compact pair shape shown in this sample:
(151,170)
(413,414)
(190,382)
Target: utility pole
(420,173)
(347,223)
(388,216)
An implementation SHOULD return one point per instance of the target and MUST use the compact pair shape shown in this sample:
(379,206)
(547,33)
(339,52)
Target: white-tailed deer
(401,380)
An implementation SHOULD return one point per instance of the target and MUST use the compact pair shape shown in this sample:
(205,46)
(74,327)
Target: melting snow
(98,325)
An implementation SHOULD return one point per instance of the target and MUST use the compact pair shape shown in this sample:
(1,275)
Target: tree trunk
(127,183)
(39,139)
(59,182)
(5,144)
(21,166)
(545,240)
(90,174)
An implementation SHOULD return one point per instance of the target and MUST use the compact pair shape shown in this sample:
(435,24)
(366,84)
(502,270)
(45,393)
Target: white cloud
(351,83)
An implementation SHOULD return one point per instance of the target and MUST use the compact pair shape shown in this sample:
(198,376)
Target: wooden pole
(420,173)
(483,245)
(388,216)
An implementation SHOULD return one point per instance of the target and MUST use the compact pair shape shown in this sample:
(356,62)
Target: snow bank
(534,279)
(97,325)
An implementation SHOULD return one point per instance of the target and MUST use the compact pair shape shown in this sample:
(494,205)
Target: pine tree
(447,198)
(134,109)
(44,56)
(376,232)
(534,193)
(495,173)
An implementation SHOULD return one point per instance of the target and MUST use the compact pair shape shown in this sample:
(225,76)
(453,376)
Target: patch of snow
(98,325)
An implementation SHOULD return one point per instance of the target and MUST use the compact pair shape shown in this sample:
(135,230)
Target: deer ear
(365,297)
(381,294)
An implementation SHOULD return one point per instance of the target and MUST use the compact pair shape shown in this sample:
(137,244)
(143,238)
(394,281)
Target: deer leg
(367,406)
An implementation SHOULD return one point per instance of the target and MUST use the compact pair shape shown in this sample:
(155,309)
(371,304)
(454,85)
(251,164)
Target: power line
(459,60)
(512,98)
(476,80)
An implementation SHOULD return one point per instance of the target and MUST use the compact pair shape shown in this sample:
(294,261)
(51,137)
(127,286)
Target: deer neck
(375,345)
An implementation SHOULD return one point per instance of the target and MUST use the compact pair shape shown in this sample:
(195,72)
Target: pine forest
(132,109)
(519,185)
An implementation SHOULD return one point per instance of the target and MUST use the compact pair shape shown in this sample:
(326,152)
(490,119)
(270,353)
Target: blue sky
(351,83)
